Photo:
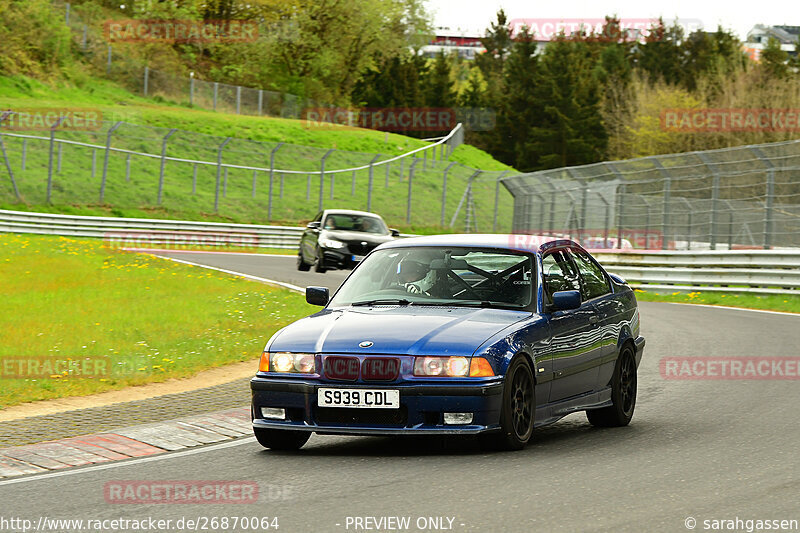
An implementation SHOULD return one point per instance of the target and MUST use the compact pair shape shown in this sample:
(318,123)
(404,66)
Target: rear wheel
(623,393)
(301,263)
(517,415)
(280,439)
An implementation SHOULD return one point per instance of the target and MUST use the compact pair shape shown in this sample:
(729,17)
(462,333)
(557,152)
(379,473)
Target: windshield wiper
(383,301)
(485,303)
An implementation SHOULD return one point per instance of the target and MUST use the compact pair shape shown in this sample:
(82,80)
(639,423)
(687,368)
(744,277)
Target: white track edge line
(240,274)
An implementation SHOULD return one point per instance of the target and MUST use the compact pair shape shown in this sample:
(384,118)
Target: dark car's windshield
(440,276)
(363,223)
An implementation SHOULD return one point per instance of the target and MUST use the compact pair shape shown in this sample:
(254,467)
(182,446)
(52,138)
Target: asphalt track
(699,450)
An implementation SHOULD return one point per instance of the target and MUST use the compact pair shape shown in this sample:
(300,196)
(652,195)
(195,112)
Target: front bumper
(338,258)
(421,407)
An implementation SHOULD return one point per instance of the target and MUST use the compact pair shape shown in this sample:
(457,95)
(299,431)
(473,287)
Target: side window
(318,217)
(559,274)
(593,278)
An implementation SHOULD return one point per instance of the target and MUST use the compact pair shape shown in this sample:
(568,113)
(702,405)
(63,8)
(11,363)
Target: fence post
(194,179)
(146,79)
(111,131)
(50,161)
(108,64)
(255,174)
(238,98)
(497,199)
(444,190)
(470,204)
(128,168)
(402,167)
(219,172)
(216,92)
(322,176)
(714,197)
(410,182)
(94,161)
(770,197)
(272,176)
(369,186)
(5,157)
(665,214)
(353,184)
(260,101)
(191,89)
(620,204)
(388,166)
(163,163)
(308,187)
(280,191)
(24,153)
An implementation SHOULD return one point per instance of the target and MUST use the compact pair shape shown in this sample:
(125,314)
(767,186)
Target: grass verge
(766,302)
(133,318)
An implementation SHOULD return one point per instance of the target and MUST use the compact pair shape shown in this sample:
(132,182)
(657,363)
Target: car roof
(516,242)
(350,212)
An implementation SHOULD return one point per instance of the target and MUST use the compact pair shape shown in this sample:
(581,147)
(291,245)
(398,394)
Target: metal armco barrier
(119,230)
(751,271)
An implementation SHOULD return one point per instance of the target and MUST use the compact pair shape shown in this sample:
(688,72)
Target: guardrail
(750,271)
(154,231)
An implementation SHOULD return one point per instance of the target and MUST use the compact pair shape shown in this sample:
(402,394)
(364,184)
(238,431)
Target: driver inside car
(416,277)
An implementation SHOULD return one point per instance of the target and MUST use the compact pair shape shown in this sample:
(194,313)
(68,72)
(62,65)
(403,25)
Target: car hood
(395,330)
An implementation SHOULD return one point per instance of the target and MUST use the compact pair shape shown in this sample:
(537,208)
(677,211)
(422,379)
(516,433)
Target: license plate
(357,258)
(359,398)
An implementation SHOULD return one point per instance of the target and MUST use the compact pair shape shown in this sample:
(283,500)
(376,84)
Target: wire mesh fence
(125,165)
(744,197)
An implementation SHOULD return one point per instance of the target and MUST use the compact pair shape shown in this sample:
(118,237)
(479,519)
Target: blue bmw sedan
(488,335)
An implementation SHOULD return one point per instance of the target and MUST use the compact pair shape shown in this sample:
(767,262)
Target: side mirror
(313,225)
(394,232)
(565,300)
(317,295)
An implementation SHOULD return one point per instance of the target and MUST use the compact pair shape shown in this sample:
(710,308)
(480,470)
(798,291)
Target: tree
(660,55)
(518,107)
(497,42)
(774,60)
(439,84)
(570,130)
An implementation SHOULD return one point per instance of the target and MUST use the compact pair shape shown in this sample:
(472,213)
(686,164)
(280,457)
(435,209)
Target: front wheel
(517,415)
(301,264)
(623,394)
(320,266)
(281,439)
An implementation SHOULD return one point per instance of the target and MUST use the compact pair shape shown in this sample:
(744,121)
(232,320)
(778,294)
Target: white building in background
(465,43)
(759,36)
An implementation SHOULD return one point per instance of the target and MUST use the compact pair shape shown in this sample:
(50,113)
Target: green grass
(76,188)
(769,302)
(147,318)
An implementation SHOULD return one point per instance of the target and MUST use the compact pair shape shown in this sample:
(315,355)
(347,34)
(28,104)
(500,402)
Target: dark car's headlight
(289,363)
(330,243)
(452,367)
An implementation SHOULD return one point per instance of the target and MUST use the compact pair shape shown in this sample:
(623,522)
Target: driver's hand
(413,289)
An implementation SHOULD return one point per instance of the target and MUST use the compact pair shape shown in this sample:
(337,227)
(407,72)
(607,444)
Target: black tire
(281,439)
(623,393)
(320,266)
(301,264)
(518,411)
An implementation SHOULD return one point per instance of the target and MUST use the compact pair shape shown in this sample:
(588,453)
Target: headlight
(453,367)
(330,243)
(286,362)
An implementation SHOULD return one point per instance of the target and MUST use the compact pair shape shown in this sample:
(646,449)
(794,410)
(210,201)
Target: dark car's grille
(372,417)
(360,249)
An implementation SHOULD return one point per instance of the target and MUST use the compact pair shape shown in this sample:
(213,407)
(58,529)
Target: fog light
(279,413)
(457,418)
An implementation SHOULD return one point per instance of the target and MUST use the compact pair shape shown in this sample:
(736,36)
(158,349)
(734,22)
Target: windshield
(362,223)
(440,276)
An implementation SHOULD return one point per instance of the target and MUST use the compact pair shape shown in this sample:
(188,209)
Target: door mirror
(566,300)
(313,225)
(394,232)
(317,295)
